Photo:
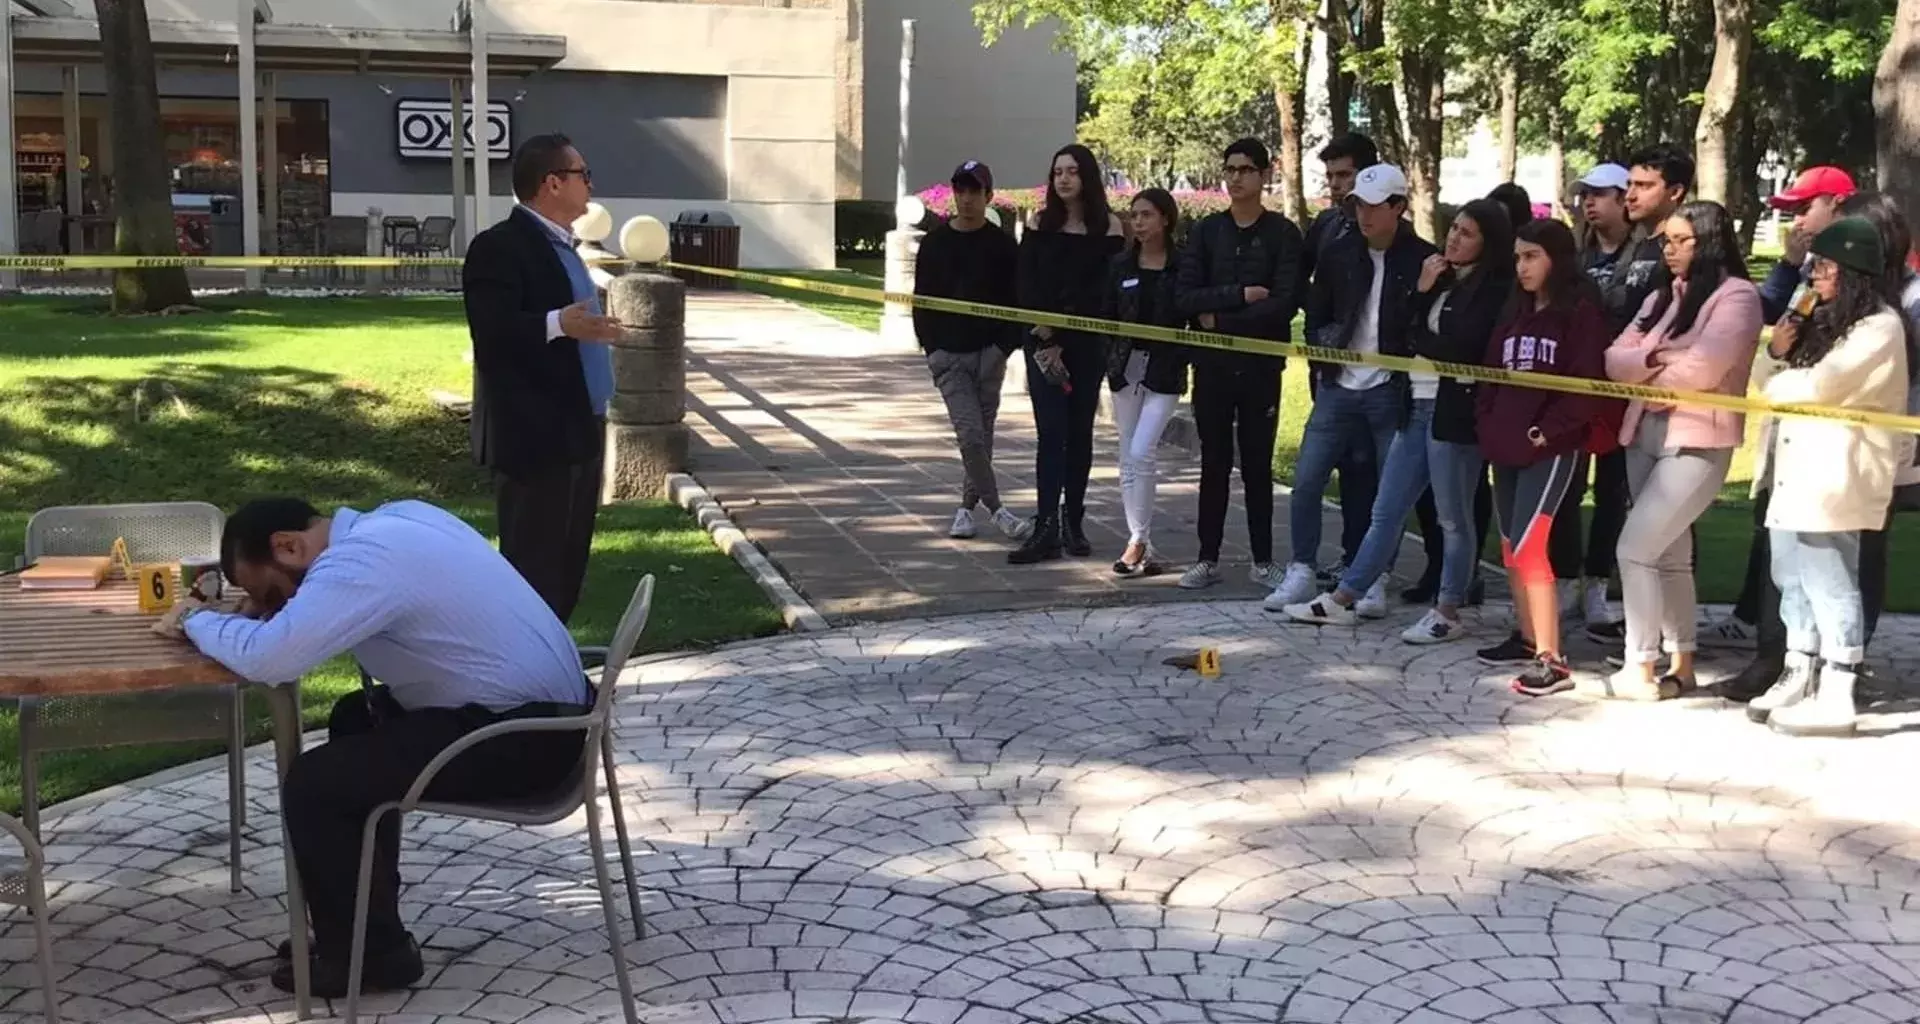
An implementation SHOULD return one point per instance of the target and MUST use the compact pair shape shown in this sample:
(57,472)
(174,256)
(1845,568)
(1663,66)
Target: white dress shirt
(425,604)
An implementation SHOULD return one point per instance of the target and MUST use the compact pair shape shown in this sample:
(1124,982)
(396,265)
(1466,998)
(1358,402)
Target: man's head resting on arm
(267,547)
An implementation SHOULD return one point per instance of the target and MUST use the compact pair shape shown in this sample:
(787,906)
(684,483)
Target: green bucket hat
(1851,242)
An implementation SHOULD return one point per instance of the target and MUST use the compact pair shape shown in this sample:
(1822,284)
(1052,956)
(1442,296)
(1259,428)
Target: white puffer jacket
(1828,476)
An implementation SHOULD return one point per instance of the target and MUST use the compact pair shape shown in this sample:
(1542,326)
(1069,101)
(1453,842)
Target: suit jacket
(531,413)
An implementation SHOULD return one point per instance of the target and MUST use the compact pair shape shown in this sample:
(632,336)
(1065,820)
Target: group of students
(1652,290)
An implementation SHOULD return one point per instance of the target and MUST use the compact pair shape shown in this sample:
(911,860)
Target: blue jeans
(1819,579)
(1342,420)
(1416,461)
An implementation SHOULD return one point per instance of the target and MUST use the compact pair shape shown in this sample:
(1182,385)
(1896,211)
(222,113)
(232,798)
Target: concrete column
(646,432)
(70,129)
(482,185)
(456,95)
(270,159)
(896,320)
(249,143)
(9,184)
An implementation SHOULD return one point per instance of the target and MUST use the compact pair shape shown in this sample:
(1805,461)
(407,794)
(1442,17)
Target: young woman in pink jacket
(1698,331)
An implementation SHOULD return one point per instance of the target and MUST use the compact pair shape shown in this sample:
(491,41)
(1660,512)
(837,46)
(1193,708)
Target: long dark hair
(1093,193)
(1856,296)
(1896,242)
(1515,201)
(1567,285)
(1716,257)
(1494,268)
(1162,202)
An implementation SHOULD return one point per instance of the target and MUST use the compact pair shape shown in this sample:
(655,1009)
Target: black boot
(1756,678)
(1427,589)
(1074,538)
(1043,545)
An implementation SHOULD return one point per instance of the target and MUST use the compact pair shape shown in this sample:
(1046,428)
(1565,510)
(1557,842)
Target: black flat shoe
(392,971)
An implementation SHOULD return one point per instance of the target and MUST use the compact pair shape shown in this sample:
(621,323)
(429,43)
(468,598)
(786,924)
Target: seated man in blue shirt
(460,641)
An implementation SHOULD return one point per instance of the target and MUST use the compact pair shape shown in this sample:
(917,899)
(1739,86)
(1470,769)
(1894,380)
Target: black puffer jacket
(1469,311)
(1221,261)
(1145,298)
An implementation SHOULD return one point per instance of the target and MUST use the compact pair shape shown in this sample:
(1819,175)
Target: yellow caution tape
(1315,353)
(1031,317)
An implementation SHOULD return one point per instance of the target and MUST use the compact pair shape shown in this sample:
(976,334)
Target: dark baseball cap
(974,173)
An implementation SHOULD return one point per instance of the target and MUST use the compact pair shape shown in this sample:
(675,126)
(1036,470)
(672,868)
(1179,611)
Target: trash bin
(704,238)
(229,234)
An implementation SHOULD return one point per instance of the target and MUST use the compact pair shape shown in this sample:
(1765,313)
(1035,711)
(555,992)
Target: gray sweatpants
(969,383)
(1670,490)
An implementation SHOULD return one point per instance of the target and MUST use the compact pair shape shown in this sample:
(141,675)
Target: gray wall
(1011,105)
(645,136)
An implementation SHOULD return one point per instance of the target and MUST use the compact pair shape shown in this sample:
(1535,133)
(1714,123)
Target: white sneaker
(1266,574)
(1433,628)
(1729,632)
(1297,587)
(1200,576)
(1374,604)
(963,528)
(1593,604)
(1321,611)
(1795,684)
(1013,526)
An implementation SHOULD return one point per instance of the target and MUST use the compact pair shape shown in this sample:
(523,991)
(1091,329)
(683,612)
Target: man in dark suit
(542,369)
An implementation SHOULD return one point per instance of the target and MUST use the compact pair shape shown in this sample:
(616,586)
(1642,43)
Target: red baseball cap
(1813,183)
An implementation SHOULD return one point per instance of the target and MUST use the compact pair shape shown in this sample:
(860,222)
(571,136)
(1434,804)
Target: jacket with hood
(1565,341)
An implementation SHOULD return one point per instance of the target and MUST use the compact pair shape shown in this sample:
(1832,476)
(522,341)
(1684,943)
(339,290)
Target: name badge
(1131,282)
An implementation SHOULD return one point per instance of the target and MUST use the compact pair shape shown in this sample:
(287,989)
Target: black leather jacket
(1343,282)
(1166,364)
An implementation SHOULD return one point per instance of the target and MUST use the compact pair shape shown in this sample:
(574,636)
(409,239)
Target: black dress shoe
(393,970)
(1042,545)
(1074,539)
(1754,680)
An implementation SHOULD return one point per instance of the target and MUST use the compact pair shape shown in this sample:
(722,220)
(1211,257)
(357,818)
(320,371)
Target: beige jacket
(1827,476)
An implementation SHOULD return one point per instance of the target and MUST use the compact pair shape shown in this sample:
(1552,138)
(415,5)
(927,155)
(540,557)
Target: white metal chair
(154,532)
(23,884)
(577,791)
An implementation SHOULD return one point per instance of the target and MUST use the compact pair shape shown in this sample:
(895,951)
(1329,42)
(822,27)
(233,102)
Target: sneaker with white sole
(1594,608)
(1567,594)
(1266,574)
(1297,587)
(963,528)
(1200,576)
(1374,604)
(1013,526)
(1729,632)
(1433,628)
(1321,611)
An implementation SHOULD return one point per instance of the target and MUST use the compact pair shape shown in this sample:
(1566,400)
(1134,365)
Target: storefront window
(202,140)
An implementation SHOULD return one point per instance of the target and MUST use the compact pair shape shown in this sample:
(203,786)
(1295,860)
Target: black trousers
(1063,427)
(1230,407)
(1759,601)
(1602,536)
(546,527)
(374,751)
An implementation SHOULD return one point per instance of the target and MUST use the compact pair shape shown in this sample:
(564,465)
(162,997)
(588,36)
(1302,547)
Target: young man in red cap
(1813,201)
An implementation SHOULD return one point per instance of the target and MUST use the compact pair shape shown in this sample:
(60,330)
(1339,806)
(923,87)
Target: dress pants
(546,525)
(375,750)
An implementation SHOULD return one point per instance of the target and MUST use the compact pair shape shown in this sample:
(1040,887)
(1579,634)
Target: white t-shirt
(1366,333)
(1427,385)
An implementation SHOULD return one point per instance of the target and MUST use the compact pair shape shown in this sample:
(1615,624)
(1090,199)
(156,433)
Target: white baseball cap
(1379,183)
(1606,176)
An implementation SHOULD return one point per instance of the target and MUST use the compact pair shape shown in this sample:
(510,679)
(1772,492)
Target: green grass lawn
(1724,531)
(321,398)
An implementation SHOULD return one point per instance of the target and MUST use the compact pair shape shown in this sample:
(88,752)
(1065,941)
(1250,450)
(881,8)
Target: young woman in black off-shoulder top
(1063,269)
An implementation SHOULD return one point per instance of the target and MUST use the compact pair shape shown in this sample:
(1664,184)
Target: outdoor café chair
(578,791)
(154,532)
(23,884)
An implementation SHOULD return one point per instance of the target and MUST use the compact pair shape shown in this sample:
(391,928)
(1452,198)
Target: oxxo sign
(426,129)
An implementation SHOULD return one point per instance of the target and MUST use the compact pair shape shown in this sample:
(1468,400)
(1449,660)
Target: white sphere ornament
(644,240)
(594,225)
(993,216)
(909,211)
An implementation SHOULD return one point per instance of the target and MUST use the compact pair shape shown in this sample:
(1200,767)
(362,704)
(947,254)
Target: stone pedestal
(896,323)
(646,432)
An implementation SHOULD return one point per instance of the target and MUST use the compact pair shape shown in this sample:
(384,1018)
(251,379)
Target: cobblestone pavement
(1027,817)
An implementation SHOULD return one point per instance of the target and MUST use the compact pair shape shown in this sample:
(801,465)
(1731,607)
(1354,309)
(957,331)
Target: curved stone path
(1027,817)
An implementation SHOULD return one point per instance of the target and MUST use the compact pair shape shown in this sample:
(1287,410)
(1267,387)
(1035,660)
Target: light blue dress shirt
(424,603)
(596,357)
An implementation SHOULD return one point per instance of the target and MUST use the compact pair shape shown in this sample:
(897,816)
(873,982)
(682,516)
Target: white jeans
(1142,416)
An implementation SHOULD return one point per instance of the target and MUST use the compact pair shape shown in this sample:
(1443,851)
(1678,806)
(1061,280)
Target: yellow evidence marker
(156,582)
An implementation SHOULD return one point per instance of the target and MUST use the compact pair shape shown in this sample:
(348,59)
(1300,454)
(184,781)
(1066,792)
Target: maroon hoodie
(1564,342)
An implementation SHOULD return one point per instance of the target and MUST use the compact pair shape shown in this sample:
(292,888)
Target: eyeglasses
(1240,170)
(586,176)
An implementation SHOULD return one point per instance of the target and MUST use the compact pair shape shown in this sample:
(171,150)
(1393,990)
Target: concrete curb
(800,616)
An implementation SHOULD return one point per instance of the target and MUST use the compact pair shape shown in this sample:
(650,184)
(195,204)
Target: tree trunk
(1383,108)
(1743,174)
(143,193)
(1509,119)
(1896,111)
(1712,137)
(1557,156)
(1422,78)
(1339,81)
(1290,102)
